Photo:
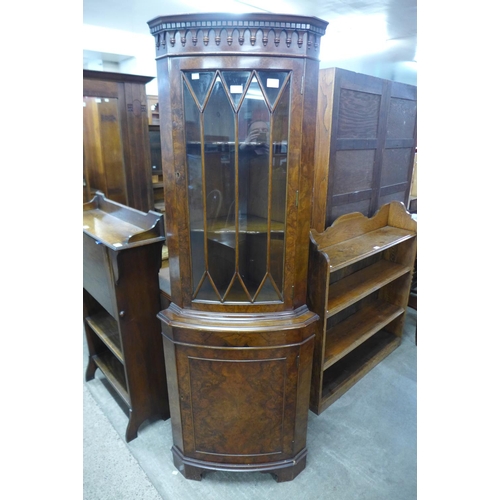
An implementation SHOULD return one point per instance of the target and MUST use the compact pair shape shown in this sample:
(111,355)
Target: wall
(120,51)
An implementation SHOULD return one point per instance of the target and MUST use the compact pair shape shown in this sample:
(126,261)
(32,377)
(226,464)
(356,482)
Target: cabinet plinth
(360,272)
(121,300)
(237,108)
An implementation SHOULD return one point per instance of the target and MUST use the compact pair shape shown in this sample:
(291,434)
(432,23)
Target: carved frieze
(234,32)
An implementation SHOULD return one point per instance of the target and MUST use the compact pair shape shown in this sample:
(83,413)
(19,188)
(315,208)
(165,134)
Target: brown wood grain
(360,272)
(121,300)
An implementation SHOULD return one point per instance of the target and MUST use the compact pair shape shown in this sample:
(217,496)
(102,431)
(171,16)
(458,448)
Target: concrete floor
(363,447)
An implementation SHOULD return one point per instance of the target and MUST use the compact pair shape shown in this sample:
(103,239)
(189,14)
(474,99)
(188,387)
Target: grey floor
(364,446)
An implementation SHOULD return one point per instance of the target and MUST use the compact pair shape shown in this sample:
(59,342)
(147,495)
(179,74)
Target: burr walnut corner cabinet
(237,106)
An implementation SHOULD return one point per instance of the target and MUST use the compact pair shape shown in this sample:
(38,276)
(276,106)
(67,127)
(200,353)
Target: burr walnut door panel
(238,403)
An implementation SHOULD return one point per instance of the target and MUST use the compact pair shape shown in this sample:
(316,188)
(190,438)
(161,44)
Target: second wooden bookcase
(121,297)
(360,272)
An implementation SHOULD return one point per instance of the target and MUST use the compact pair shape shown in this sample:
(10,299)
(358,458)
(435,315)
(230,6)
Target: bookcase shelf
(106,328)
(361,284)
(114,373)
(341,376)
(360,272)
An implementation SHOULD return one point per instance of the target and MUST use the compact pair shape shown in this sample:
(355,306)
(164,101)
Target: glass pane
(195,185)
(219,138)
(253,188)
(236,82)
(279,181)
(200,82)
(272,83)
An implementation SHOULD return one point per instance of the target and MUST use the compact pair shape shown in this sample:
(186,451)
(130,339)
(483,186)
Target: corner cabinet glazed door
(244,179)
(237,225)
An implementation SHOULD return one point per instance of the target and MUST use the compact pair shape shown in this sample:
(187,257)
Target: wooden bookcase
(121,298)
(360,272)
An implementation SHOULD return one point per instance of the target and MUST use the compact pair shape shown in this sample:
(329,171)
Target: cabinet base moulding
(283,471)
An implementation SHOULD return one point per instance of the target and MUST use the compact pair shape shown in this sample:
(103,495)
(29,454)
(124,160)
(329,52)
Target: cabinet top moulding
(225,20)
(90,74)
(118,227)
(300,34)
(353,237)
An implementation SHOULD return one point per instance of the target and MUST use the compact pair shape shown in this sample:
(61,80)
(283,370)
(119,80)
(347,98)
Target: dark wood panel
(402,118)
(359,82)
(336,211)
(358,114)
(399,143)
(395,163)
(392,189)
(353,171)
(366,142)
(404,91)
(138,166)
(356,196)
(393,196)
(342,144)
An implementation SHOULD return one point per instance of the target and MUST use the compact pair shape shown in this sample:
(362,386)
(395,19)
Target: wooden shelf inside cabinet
(360,272)
(122,252)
